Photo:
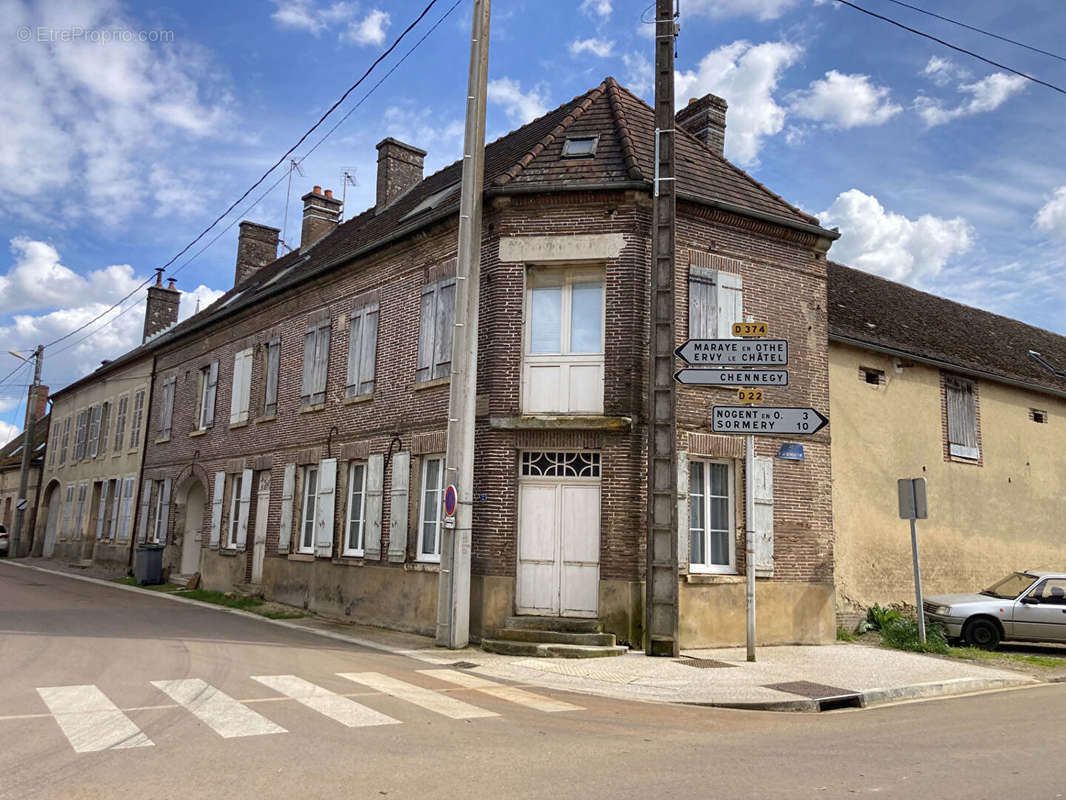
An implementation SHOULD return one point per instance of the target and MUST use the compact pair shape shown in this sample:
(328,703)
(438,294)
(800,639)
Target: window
(356,517)
(66,441)
(273,362)
(120,423)
(875,377)
(166,407)
(93,444)
(961,406)
(135,421)
(240,397)
(715,302)
(580,146)
(435,330)
(362,350)
(307,514)
(234,508)
(563,363)
(1038,415)
(710,532)
(316,364)
(538,464)
(1052,591)
(208,386)
(79,517)
(430,517)
(80,433)
(126,512)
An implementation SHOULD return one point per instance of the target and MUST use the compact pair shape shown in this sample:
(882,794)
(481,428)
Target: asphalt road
(110,694)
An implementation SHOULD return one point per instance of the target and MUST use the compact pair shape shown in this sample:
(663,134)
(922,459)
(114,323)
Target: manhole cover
(703,663)
(815,691)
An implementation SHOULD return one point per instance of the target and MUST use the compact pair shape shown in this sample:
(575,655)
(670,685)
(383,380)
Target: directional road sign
(748,420)
(734,352)
(732,377)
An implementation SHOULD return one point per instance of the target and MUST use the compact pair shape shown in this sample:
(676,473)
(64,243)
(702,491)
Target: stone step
(557,624)
(540,650)
(555,637)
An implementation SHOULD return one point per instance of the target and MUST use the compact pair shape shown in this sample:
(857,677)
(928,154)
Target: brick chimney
(42,401)
(704,118)
(322,212)
(399,168)
(162,309)
(257,246)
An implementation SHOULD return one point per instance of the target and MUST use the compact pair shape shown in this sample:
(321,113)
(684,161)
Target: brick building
(297,425)
(11,475)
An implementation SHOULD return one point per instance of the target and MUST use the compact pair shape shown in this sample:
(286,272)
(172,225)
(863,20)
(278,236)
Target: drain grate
(703,663)
(827,697)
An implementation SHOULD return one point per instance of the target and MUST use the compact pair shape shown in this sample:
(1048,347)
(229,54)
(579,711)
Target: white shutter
(445,325)
(682,511)
(288,489)
(236,390)
(369,349)
(401,484)
(94,431)
(321,364)
(273,363)
(355,347)
(326,502)
(209,397)
(426,329)
(375,483)
(730,303)
(702,308)
(216,507)
(116,506)
(142,521)
(246,502)
(763,484)
(308,386)
(101,512)
(164,511)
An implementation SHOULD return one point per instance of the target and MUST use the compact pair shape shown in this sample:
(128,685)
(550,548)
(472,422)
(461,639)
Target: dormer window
(580,146)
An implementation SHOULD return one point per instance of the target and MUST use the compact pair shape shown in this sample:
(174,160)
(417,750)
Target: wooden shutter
(288,489)
(216,508)
(702,306)
(209,398)
(401,486)
(763,522)
(326,502)
(426,333)
(142,519)
(242,514)
(368,357)
(375,482)
(355,348)
(445,324)
(962,417)
(682,511)
(164,511)
(272,366)
(105,423)
(307,387)
(116,506)
(166,419)
(101,512)
(321,364)
(94,431)
(236,389)
(730,301)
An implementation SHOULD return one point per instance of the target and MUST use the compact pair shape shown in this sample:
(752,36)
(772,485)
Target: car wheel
(982,633)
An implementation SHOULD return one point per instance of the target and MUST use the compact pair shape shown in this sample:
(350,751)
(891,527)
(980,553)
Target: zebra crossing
(92,722)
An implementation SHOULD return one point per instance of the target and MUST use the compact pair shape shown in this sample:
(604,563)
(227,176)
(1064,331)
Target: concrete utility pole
(660,605)
(22,502)
(453,597)
(749,541)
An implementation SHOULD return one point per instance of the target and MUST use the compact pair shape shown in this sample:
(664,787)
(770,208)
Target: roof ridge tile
(625,138)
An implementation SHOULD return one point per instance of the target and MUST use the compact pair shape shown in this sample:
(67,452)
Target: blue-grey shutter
(245,504)
(730,303)
(325,504)
(308,386)
(763,522)
(164,510)
(212,390)
(682,511)
(288,489)
(101,512)
(401,483)
(142,520)
(216,508)
(702,306)
(426,333)
(375,482)
(445,329)
(368,357)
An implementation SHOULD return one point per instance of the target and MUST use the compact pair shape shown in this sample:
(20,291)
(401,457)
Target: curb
(953,686)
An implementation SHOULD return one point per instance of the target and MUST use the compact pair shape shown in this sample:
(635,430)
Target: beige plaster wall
(984,520)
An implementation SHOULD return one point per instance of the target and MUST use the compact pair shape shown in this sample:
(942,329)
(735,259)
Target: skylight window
(433,200)
(580,146)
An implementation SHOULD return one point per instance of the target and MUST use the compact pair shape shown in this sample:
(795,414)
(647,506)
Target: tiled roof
(882,313)
(9,458)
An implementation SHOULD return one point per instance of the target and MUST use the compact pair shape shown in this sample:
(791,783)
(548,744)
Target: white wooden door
(538,548)
(194,521)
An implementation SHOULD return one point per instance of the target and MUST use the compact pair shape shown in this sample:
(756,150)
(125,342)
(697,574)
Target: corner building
(297,425)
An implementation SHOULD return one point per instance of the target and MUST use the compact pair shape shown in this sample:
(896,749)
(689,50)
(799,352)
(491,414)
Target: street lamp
(21,504)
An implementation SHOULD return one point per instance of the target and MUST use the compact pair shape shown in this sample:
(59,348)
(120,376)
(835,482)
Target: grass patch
(220,599)
(157,587)
(902,634)
(280,614)
(252,604)
(844,635)
(1032,659)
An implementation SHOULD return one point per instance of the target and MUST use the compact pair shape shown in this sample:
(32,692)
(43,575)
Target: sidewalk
(786,678)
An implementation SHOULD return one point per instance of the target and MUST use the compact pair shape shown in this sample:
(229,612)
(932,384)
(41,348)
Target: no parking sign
(450,500)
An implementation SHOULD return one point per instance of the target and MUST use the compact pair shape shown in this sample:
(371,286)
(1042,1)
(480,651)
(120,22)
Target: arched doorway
(195,499)
(53,508)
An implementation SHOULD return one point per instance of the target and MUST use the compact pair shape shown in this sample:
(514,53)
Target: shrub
(902,633)
(877,617)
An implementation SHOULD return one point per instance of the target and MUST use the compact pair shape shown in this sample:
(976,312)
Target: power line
(952,46)
(978,30)
(98,316)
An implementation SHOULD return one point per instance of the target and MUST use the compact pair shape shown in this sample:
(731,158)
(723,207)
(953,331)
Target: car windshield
(1011,586)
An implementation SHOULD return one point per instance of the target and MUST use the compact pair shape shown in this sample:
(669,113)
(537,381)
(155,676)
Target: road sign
(912,502)
(749,395)
(450,500)
(692,376)
(20,504)
(750,329)
(771,420)
(734,352)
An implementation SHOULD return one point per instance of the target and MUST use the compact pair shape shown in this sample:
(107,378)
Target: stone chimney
(162,309)
(704,118)
(322,212)
(42,401)
(399,168)
(257,246)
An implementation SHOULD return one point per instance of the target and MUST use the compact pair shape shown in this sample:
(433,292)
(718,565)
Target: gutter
(974,373)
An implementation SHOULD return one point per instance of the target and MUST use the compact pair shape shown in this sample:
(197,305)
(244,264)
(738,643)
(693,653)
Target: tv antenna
(349,178)
(294,166)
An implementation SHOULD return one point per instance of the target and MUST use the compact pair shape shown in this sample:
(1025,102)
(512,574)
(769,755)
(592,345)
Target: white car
(3,540)
(1027,606)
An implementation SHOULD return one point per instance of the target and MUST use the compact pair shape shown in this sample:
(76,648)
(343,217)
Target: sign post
(913,506)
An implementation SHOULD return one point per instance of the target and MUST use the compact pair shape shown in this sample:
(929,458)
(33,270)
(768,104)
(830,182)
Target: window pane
(697,523)
(719,480)
(719,513)
(719,549)
(546,308)
(586,318)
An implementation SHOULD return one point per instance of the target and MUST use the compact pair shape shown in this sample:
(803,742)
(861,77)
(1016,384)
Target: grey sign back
(912,502)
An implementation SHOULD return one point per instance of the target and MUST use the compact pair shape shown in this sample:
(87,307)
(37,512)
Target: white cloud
(943,71)
(599,8)
(370,30)
(8,432)
(746,75)
(639,73)
(520,107)
(598,47)
(987,94)
(890,244)
(441,136)
(760,9)
(844,101)
(1051,218)
(305,15)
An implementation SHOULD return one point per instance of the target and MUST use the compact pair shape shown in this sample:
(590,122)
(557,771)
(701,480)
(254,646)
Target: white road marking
(426,698)
(90,721)
(510,693)
(227,717)
(336,707)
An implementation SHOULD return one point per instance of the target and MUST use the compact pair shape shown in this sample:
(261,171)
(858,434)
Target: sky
(129,127)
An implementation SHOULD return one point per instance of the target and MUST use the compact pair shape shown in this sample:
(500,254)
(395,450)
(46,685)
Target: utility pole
(661,604)
(749,540)
(453,597)
(22,502)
